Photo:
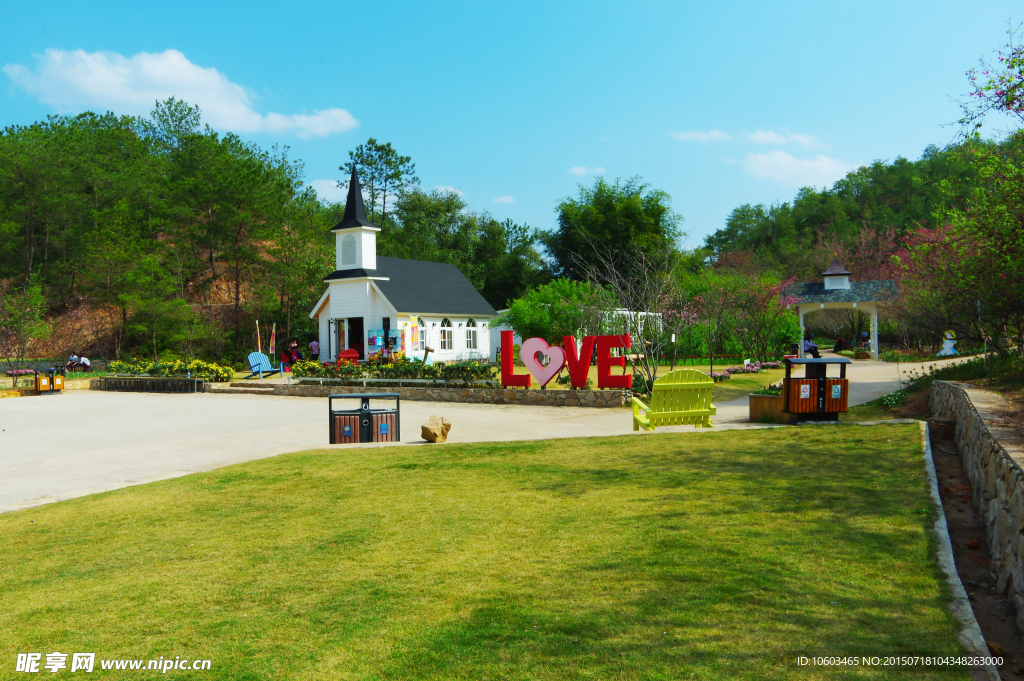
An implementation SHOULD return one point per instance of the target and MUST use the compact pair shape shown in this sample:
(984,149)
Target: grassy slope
(712,556)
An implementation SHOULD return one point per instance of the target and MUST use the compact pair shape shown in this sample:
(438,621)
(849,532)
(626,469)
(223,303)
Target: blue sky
(514,104)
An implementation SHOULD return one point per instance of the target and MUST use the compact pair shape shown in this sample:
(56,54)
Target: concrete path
(57,447)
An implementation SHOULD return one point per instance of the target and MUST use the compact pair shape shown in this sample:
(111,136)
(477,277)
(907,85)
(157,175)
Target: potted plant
(766,405)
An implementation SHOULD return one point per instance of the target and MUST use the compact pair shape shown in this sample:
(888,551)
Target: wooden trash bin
(50,383)
(816,396)
(363,424)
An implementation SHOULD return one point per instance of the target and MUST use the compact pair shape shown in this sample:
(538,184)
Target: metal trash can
(364,424)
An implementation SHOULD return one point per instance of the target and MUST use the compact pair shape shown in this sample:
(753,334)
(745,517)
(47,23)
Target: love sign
(529,352)
(578,362)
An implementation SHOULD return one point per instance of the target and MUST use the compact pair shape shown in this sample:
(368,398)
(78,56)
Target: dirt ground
(971,554)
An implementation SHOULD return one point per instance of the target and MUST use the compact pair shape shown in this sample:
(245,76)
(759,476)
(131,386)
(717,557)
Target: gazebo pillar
(874,333)
(800,346)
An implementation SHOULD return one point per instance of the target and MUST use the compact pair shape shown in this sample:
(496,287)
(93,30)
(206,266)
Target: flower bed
(752,368)
(195,368)
(452,372)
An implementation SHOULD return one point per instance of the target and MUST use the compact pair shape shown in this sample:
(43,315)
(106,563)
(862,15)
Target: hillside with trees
(156,236)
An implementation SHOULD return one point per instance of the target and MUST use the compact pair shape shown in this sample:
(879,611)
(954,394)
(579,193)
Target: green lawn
(668,556)
(869,411)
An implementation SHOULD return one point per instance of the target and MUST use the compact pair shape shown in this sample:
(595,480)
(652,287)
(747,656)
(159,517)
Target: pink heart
(528,354)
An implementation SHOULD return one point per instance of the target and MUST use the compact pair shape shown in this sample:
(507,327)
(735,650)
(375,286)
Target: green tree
(383,174)
(610,217)
(22,320)
(560,308)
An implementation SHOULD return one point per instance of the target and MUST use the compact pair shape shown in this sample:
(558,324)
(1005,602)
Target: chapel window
(348,250)
(447,334)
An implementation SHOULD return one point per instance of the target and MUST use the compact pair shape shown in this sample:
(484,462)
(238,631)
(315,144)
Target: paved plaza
(62,446)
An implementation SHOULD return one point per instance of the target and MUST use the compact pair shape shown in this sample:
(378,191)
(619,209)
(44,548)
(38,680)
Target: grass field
(704,556)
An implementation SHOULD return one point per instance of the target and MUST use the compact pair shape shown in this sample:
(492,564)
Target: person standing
(314,350)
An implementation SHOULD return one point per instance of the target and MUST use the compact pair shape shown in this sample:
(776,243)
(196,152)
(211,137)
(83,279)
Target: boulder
(436,429)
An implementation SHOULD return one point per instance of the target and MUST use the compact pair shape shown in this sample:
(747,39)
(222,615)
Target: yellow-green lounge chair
(680,398)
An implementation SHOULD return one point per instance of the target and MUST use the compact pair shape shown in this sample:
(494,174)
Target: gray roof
(859,292)
(419,287)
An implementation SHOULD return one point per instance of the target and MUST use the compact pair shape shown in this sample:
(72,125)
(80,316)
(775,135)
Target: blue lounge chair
(260,364)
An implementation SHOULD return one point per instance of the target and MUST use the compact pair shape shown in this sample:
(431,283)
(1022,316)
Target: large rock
(436,429)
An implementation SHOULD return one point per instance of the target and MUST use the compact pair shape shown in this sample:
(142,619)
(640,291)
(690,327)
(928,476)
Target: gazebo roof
(836,268)
(859,292)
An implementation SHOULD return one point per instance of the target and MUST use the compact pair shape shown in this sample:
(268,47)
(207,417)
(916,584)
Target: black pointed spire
(355,212)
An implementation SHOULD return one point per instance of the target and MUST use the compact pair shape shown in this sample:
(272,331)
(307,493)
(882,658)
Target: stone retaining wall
(992,452)
(547,398)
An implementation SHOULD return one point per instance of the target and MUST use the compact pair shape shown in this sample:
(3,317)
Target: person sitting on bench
(810,348)
(84,364)
(72,362)
(840,345)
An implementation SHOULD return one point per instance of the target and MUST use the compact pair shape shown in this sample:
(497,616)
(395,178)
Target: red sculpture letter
(579,366)
(509,379)
(605,362)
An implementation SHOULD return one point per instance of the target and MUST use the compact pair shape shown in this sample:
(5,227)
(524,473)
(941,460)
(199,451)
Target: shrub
(565,379)
(401,367)
(195,368)
(309,368)
(851,354)
(640,384)
(768,390)
(894,400)
(719,376)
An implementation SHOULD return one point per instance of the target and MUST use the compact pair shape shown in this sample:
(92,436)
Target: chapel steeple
(355,211)
(356,237)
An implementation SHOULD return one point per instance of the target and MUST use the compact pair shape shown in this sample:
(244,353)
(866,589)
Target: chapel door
(356,337)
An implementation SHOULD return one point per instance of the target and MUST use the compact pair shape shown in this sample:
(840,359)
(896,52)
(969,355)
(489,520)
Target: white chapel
(407,306)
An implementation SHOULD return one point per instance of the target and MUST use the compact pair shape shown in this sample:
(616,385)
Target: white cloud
(821,171)
(580,171)
(72,80)
(768,137)
(505,199)
(451,190)
(701,136)
(329,190)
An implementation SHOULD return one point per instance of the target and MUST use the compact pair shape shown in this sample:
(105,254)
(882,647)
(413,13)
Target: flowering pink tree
(760,306)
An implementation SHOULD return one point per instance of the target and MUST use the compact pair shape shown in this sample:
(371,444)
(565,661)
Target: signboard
(805,392)
(414,332)
(837,392)
(534,352)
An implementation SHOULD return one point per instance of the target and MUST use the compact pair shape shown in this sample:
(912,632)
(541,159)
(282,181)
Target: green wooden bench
(680,398)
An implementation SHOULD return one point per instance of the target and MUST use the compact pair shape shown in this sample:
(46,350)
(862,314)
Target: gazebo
(837,291)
